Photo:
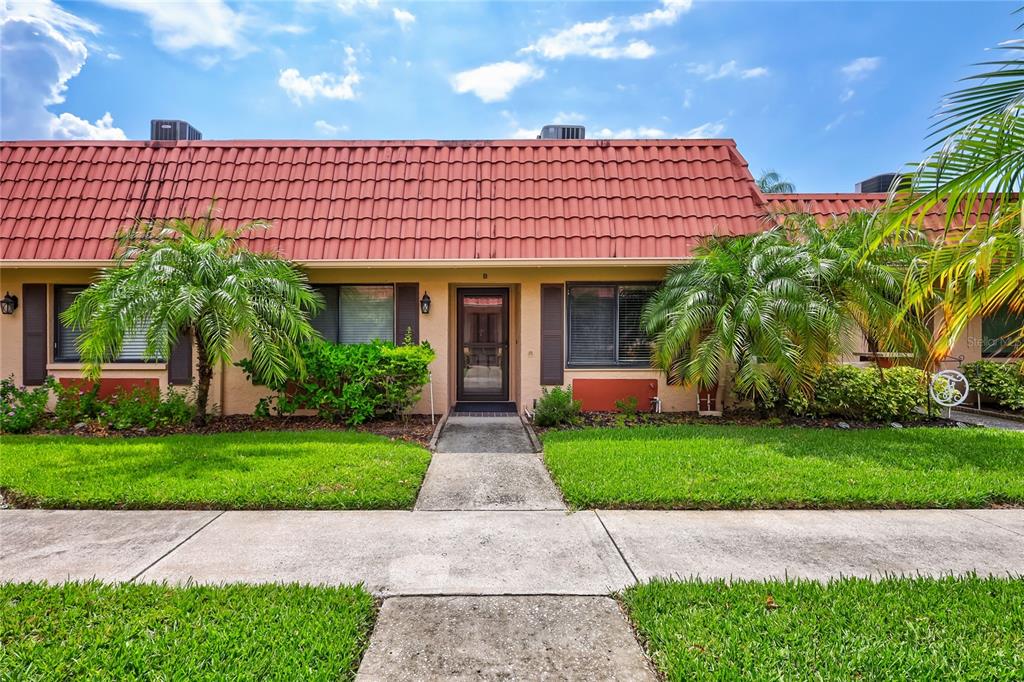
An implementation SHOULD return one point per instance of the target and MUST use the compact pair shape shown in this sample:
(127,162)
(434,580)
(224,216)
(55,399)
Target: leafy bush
(353,383)
(1000,382)
(556,407)
(143,408)
(75,404)
(863,394)
(21,408)
(628,406)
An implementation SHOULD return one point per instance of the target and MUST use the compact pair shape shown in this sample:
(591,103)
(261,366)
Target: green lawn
(238,632)
(896,629)
(260,470)
(740,467)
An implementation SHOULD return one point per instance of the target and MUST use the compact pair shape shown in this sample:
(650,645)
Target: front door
(483,344)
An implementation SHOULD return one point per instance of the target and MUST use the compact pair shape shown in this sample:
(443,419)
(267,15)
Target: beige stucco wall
(235,395)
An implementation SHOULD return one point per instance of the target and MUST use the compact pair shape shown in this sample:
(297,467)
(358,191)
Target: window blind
(66,339)
(367,313)
(605,327)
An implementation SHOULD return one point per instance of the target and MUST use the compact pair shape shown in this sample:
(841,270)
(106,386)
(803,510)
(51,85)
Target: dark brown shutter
(33,334)
(407,312)
(179,365)
(552,321)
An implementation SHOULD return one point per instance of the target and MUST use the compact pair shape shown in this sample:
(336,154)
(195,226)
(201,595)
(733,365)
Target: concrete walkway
(496,553)
(484,434)
(987,420)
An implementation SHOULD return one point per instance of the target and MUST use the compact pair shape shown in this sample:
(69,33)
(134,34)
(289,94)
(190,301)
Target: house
(525,264)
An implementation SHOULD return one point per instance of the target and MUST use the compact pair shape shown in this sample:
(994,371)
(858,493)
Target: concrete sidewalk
(502,552)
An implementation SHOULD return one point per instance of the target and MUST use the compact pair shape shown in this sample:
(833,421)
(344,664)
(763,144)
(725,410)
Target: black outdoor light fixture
(425,303)
(8,304)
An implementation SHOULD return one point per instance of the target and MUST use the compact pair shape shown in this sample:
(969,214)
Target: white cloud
(632,133)
(861,67)
(70,127)
(329,129)
(569,118)
(43,49)
(600,39)
(326,85)
(350,6)
(208,24)
(835,123)
(729,69)
(709,129)
(687,98)
(666,15)
(404,18)
(847,95)
(494,82)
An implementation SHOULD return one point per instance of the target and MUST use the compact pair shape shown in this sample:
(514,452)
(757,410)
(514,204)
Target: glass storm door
(483,344)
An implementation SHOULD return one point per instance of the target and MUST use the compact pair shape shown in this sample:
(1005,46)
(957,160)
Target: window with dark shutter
(407,312)
(33,334)
(551,340)
(604,322)
(133,348)
(357,313)
(1000,336)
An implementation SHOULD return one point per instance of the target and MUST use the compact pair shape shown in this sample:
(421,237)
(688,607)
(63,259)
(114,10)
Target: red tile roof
(826,206)
(391,200)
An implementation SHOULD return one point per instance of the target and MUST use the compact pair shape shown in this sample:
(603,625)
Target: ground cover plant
(747,467)
(895,629)
(268,470)
(238,632)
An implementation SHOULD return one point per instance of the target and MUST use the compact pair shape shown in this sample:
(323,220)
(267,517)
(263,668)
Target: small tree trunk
(205,371)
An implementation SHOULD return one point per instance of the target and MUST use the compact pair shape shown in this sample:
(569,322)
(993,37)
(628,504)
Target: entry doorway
(483,345)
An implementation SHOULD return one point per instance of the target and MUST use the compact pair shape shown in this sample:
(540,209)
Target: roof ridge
(498,142)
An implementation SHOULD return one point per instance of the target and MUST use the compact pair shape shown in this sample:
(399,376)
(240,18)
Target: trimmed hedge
(353,383)
(864,394)
(1000,382)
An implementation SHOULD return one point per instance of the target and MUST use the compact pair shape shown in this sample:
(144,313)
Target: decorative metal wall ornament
(949,388)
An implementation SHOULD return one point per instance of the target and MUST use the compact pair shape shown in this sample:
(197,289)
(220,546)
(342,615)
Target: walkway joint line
(622,556)
(967,512)
(168,552)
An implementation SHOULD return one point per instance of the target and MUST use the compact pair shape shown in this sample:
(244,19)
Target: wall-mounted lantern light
(8,304)
(425,303)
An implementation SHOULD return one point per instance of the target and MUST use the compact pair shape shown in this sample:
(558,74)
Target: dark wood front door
(483,344)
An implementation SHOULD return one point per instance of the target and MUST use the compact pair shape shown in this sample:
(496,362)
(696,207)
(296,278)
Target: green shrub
(862,394)
(556,407)
(354,383)
(143,408)
(21,408)
(75,404)
(1000,382)
(628,406)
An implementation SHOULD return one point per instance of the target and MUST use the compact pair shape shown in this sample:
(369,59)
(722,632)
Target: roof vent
(879,183)
(560,132)
(161,129)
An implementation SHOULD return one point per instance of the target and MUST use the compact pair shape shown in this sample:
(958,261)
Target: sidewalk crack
(165,554)
(616,546)
(967,512)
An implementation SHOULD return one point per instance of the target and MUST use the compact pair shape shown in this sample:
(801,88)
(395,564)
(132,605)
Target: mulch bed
(413,428)
(589,420)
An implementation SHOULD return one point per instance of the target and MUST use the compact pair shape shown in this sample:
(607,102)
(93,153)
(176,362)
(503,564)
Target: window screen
(66,339)
(604,325)
(999,334)
(356,313)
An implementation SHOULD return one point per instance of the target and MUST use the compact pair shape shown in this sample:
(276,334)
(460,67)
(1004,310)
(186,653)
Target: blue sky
(827,93)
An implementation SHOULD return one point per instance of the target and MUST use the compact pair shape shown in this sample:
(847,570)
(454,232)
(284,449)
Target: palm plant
(974,173)
(748,304)
(175,276)
(869,291)
(771,182)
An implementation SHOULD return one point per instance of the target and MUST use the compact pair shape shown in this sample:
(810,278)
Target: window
(604,325)
(357,313)
(999,334)
(66,339)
